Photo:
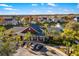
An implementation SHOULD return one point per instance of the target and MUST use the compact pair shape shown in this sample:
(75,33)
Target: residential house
(1,20)
(76,19)
(58,27)
(36,32)
(9,20)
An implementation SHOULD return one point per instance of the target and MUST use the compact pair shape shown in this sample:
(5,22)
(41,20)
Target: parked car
(37,47)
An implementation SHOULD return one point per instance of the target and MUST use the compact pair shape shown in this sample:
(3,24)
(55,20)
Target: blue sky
(39,8)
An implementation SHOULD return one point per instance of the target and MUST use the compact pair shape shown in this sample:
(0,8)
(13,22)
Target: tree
(2,29)
(72,30)
(67,44)
(75,50)
(7,48)
(19,41)
(18,38)
(70,34)
(1,19)
(69,17)
(72,25)
(27,38)
(77,35)
(17,18)
(7,45)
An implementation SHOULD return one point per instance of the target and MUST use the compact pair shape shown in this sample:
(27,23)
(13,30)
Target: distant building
(9,20)
(1,20)
(76,19)
(58,27)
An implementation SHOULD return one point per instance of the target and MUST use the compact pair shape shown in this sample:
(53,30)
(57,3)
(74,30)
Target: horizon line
(36,14)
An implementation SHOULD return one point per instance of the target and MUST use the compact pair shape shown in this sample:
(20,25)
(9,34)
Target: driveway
(28,52)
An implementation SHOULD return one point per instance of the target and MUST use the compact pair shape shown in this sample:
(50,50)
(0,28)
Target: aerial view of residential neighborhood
(39,29)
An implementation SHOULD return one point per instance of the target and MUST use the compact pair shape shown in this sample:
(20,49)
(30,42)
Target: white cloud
(34,11)
(9,9)
(65,11)
(34,4)
(5,5)
(49,11)
(68,11)
(51,4)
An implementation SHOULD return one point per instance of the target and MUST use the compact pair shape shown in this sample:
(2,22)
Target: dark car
(44,49)
(34,46)
(37,47)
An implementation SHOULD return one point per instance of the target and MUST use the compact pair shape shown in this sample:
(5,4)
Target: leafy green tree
(70,34)
(2,29)
(69,18)
(75,50)
(72,25)
(18,18)
(7,49)
(7,46)
(27,38)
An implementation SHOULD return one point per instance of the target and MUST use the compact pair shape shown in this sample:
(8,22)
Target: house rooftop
(37,28)
(18,30)
(15,29)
